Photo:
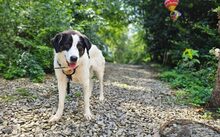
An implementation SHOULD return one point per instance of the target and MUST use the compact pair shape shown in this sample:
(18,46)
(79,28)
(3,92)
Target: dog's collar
(60,67)
(69,76)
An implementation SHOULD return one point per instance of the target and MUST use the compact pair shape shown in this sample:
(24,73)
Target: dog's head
(71,45)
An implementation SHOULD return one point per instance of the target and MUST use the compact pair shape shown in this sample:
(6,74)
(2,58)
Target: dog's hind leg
(90,86)
(91,82)
(100,75)
(62,85)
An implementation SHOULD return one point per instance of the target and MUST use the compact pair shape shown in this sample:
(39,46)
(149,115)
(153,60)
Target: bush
(196,88)
(193,85)
(26,30)
(25,65)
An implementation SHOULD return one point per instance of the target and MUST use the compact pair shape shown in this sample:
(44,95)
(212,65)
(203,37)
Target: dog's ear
(56,42)
(87,44)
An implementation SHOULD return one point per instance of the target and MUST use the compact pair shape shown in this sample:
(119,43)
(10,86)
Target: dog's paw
(101,98)
(88,116)
(54,118)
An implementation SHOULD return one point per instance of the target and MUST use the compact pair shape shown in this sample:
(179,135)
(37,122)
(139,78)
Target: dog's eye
(80,47)
(67,46)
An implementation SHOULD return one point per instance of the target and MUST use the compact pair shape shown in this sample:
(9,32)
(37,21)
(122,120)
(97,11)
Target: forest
(127,32)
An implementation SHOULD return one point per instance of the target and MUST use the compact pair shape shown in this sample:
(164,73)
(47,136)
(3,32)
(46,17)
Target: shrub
(25,66)
(194,85)
(26,30)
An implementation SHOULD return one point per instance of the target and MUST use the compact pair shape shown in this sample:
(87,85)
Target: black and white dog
(76,59)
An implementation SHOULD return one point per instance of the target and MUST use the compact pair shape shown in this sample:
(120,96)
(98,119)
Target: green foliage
(26,30)
(136,52)
(207,115)
(217,9)
(166,40)
(189,59)
(28,26)
(25,65)
(189,54)
(183,45)
(44,57)
(194,89)
(194,86)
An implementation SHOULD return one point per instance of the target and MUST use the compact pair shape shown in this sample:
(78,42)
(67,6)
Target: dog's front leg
(62,85)
(86,90)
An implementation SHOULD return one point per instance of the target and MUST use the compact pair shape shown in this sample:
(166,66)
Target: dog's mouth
(72,65)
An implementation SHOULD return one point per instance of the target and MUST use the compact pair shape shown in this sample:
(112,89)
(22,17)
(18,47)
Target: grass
(20,93)
(23,92)
(7,98)
(76,94)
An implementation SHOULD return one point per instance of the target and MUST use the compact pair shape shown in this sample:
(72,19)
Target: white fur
(83,75)
(73,50)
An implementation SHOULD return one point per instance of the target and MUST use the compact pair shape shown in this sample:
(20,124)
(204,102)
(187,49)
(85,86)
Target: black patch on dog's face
(66,42)
(83,44)
(61,42)
(81,47)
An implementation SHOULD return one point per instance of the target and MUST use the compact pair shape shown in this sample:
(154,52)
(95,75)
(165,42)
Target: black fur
(86,43)
(55,42)
(62,41)
(81,47)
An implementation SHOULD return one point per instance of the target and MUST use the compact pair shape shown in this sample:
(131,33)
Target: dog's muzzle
(72,63)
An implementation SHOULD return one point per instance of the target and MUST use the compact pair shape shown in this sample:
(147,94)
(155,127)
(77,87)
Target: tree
(215,98)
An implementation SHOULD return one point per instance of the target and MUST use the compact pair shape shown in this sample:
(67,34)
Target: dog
(77,59)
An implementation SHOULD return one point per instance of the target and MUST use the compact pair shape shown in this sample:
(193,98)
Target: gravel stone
(136,104)
(1,120)
(7,130)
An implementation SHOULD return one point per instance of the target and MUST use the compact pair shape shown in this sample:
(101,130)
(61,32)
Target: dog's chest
(75,79)
(73,74)
(80,76)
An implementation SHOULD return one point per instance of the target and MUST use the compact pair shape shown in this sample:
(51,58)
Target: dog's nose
(73,58)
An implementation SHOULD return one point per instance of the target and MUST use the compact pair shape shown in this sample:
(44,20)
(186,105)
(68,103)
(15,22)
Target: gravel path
(136,104)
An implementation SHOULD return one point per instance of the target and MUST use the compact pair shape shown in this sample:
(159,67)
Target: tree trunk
(215,98)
